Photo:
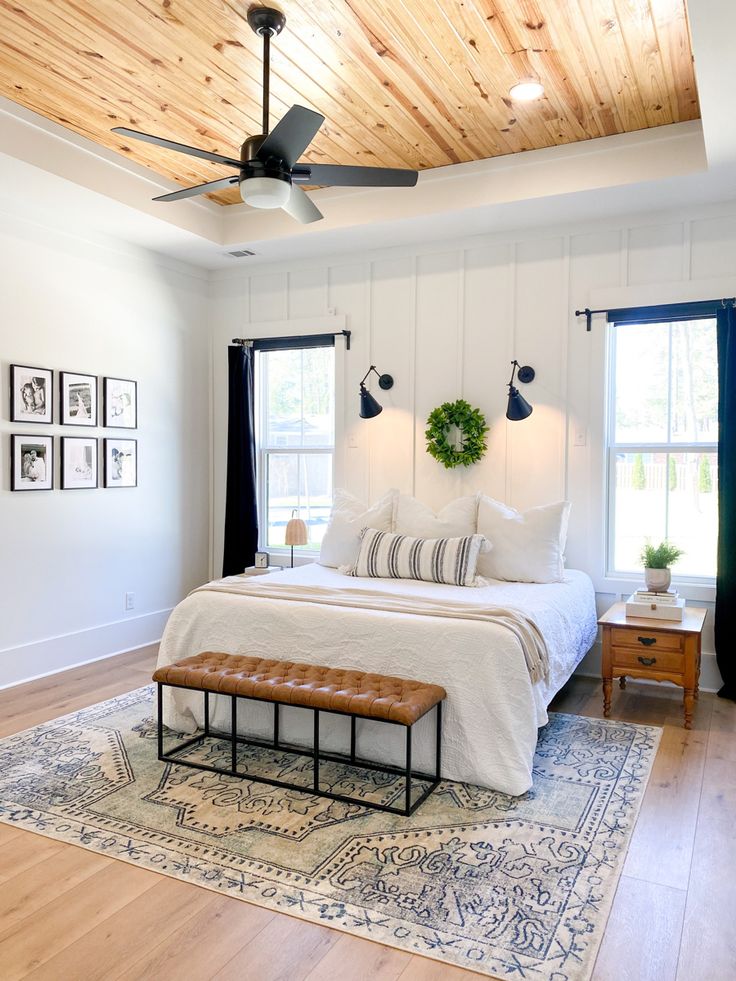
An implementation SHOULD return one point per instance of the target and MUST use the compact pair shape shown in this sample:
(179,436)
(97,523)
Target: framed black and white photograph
(121,403)
(31,394)
(31,462)
(78,462)
(121,462)
(78,399)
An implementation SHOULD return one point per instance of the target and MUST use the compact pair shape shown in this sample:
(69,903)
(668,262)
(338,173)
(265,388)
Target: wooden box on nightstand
(661,650)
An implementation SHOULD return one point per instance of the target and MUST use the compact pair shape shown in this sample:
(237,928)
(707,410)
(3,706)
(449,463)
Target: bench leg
(352,739)
(407,808)
(206,713)
(234,734)
(160,730)
(438,755)
(316,749)
(275,725)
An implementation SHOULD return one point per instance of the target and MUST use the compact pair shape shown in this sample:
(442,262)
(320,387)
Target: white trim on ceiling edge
(40,658)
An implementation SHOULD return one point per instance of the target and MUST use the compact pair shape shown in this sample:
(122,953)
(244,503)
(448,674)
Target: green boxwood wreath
(472,425)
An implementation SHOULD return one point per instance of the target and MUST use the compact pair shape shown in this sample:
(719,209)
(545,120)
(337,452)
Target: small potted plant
(657,562)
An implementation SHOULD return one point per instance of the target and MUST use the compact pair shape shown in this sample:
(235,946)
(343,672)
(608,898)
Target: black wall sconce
(369,407)
(518,407)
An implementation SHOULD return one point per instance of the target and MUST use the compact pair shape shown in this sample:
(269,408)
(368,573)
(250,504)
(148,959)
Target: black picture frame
(110,415)
(64,482)
(18,413)
(82,381)
(28,443)
(110,444)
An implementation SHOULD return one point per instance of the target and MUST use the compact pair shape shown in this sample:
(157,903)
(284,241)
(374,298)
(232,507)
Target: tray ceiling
(412,83)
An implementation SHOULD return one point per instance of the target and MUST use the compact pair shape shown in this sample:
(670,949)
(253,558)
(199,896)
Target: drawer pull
(647,661)
(647,641)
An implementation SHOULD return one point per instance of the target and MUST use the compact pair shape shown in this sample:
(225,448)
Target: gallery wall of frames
(33,399)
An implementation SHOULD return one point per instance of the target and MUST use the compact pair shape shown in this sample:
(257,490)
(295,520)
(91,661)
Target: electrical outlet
(129,601)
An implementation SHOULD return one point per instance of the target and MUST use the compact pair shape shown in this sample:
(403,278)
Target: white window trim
(298,328)
(701,588)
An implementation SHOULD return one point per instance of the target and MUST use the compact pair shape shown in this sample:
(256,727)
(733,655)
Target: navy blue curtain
(241,513)
(725,622)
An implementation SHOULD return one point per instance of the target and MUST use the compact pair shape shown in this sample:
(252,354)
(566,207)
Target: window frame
(612,448)
(263,450)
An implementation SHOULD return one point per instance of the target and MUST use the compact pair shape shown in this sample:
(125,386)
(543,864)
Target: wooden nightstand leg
(622,681)
(689,703)
(607,684)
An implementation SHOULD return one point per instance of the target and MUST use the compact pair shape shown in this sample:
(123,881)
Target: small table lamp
(296,534)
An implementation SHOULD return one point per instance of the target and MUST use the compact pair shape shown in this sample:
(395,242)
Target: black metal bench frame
(351,759)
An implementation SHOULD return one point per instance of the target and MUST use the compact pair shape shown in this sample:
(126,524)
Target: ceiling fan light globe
(526,90)
(265,192)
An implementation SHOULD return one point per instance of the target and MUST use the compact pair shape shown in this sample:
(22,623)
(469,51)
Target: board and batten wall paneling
(447,319)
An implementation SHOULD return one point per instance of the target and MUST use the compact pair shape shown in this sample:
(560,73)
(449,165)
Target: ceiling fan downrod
(267,22)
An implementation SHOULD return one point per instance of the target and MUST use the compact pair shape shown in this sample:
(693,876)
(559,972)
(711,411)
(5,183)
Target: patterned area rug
(509,887)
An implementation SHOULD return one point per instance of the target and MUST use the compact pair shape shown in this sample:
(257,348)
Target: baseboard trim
(39,659)
(710,677)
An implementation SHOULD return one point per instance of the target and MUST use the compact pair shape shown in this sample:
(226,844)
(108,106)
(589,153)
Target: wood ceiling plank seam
(495,126)
(673,32)
(329,149)
(611,52)
(530,119)
(602,102)
(115,75)
(568,90)
(392,38)
(393,84)
(505,31)
(365,81)
(187,133)
(291,55)
(377,83)
(35,86)
(644,56)
(667,72)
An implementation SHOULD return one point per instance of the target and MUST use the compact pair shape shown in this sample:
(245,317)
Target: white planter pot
(657,580)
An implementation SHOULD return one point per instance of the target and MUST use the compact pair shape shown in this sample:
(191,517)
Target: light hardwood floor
(67,914)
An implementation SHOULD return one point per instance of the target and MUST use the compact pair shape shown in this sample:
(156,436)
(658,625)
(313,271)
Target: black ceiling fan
(268,171)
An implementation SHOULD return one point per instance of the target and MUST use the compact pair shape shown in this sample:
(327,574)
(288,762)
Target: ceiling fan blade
(302,207)
(288,140)
(193,151)
(190,192)
(334,175)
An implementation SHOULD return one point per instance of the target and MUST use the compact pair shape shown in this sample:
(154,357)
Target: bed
(493,708)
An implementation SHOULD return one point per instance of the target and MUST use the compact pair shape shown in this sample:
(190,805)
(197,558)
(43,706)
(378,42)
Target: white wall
(68,557)
(446,320)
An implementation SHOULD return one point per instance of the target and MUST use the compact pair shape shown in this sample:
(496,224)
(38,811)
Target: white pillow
(349,516)
(528,546)
(457,519)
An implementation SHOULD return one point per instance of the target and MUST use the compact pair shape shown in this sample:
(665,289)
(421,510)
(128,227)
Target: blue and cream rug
(510,887)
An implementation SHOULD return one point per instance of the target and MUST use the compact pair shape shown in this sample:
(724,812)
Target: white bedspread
(492,711)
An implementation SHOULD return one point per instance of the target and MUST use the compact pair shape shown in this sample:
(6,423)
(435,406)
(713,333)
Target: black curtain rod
(334,333)
(588,313)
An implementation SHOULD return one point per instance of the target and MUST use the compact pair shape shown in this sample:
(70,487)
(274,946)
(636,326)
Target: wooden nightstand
(661,650)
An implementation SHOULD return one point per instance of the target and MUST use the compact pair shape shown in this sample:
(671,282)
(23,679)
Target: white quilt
(492,710)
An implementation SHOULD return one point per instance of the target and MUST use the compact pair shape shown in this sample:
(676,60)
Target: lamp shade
(518,407)
(368,405)
(296,532)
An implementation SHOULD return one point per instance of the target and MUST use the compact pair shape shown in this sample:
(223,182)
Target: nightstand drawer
(647,640)
(654,660)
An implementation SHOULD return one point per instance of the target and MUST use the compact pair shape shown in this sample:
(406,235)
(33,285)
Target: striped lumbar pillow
(384,555)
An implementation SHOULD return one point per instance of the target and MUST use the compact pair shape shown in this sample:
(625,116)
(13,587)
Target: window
(295,440)
(662,444)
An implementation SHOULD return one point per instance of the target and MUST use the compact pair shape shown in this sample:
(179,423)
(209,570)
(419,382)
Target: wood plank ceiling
(402,83)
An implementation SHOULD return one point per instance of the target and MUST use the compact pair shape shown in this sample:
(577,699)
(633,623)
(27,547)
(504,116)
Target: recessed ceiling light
(526,90)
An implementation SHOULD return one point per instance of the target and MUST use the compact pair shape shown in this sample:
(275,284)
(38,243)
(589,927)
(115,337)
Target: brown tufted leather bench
(341,691)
